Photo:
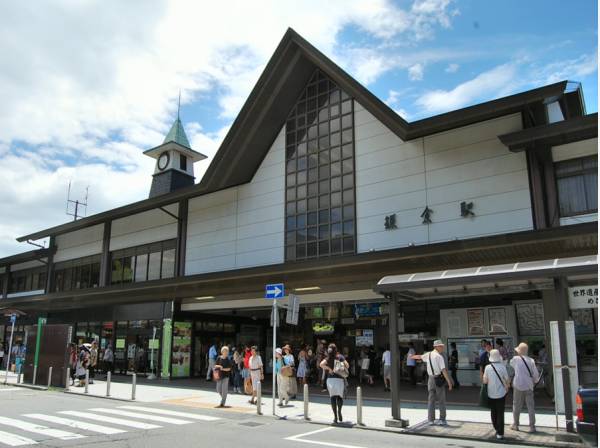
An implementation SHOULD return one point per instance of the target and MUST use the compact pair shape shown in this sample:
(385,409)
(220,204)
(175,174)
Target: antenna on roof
(74,206)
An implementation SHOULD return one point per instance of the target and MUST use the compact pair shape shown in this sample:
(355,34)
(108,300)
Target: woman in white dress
(256,372)
(335,367)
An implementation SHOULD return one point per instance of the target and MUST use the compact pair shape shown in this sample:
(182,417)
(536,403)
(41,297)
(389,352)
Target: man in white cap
(526,375)
(436,384)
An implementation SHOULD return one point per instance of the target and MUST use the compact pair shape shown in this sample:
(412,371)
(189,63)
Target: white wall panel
(27,265)
(143,228)
(81,243)
(466,164)
(241,226)
(574,150)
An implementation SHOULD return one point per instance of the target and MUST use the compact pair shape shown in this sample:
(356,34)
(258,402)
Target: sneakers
(514,427)
(443,423)
(431,422)
(499,437)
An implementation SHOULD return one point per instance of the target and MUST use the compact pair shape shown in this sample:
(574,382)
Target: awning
(495,279)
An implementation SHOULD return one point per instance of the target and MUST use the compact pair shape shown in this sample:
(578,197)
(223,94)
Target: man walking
(212,360)
(436,384)
(526,375)
(386,359)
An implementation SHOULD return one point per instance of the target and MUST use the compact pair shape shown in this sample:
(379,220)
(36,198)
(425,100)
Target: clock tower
(175,160)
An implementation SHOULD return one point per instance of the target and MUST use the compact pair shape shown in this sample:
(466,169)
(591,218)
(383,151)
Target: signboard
(581,297)
(274,291)
(166,350)
(182,349)
(293,310)
(13,318)
(153,344)
(120,344)
(365,339)
(323,328)
(367,310)
(475,323)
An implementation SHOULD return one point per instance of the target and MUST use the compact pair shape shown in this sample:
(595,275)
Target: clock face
(163,161)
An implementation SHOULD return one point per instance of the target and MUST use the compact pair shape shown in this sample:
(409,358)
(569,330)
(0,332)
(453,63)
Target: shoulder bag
(440,381)
(339,369)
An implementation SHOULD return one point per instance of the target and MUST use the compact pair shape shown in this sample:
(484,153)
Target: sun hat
(278,351)
(495,356)
(437,343)
(522,349)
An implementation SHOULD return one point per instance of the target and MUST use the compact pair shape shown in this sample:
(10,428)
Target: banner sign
(581,297)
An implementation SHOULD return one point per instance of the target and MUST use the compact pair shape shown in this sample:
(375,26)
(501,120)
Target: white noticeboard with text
(582,297)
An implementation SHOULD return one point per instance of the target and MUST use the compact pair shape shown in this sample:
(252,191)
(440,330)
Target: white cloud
(415,72)
(490,84)
(571,69)
(452,68)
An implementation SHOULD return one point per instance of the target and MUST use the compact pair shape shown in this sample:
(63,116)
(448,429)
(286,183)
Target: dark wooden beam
(105,256)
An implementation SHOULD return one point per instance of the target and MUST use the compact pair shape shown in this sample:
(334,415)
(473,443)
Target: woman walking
(289,371)
(222,370)
(303,371)
(238,367)
(256,372)
(335,367)
(497,380)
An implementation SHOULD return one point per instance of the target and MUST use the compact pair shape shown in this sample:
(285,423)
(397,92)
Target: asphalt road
(55,419)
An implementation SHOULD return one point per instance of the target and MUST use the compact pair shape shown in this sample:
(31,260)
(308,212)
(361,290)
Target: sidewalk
(465,422)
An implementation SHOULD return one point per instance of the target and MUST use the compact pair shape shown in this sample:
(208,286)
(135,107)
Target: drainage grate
(251,424)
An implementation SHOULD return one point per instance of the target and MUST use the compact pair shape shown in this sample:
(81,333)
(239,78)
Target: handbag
(484,399)
(339,369)
(287,371)
(216,374)
(440,381)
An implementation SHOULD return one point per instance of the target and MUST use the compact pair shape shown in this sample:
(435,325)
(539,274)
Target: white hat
(437,343)
(278,351)
(495,356)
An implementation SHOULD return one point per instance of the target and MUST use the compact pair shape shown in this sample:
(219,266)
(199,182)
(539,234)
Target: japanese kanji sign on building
(583,297)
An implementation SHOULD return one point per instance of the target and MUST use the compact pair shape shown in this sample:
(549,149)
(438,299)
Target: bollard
(259,398)
(133,382)
(359,404)
(49,377)
(305,396)
(87,380)
(68,382)
(34,375)
(108,375)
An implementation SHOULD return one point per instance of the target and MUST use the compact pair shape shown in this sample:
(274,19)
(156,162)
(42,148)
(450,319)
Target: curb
(126,400)
(28,386)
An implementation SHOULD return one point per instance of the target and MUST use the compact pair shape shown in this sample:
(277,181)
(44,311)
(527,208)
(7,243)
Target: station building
(321,186)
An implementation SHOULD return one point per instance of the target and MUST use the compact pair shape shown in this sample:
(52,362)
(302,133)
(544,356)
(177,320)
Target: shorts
(387,372)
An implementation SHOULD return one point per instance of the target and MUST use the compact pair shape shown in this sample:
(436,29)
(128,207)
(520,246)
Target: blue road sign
(13,318)
(274,291)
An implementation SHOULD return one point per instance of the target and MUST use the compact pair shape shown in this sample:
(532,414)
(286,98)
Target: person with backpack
(497,380)
(436,384)
(336,368)
(526,376)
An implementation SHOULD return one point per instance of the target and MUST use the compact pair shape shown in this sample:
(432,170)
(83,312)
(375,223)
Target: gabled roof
(267,107)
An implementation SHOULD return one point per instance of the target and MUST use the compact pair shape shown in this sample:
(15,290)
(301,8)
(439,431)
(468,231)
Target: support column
(105,257)
(396,420)
(50,267)
(562,307)
(181,238)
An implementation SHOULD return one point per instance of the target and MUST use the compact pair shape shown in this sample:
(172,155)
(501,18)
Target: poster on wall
(468,351)
(530,317)
(364,338)
(475,322)
(182,348)
(497,320)
(584,321)
(454,326)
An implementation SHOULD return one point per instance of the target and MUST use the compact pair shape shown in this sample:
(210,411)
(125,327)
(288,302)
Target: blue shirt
(212,352)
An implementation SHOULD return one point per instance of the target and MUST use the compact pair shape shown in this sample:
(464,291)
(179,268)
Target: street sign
(274,291)
(293,310)
(13,318)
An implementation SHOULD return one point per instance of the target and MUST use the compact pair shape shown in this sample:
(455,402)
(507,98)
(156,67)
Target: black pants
(336,405)
(411,374)
(454,377)
(497,414)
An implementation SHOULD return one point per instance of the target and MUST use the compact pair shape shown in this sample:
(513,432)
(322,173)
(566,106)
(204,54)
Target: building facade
(321,186)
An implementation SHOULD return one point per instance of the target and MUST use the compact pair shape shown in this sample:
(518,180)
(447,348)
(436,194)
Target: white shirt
(255,362)
(437,361)
(387,358)
(523,380)
(409,360)
(496,388)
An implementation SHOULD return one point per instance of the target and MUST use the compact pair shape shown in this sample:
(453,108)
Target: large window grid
(27,280)
(320,194)
(80,273)
(142,263)
(577,184)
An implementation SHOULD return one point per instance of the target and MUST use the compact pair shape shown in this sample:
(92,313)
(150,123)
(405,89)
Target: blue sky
(87,87)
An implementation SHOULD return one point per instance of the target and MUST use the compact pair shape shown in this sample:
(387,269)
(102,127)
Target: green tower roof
(177,134)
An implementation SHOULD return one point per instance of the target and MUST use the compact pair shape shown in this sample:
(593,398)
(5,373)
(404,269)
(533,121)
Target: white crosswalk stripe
(9,439)
(156,418)
(76,424)
(32,427)
(107,419)
(206,418)
(10,389)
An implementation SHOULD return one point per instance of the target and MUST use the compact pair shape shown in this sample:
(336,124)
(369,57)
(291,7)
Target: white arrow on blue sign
(13,318)
(274,291)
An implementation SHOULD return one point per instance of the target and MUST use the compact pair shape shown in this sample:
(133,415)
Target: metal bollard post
(305,396)
(359,404)
(108,376)
(133,382)
(68,382)
(49,377)
(87,380)
(259,399)
(34,375)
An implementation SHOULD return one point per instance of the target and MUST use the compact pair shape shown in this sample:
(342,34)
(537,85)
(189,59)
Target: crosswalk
(77,424)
